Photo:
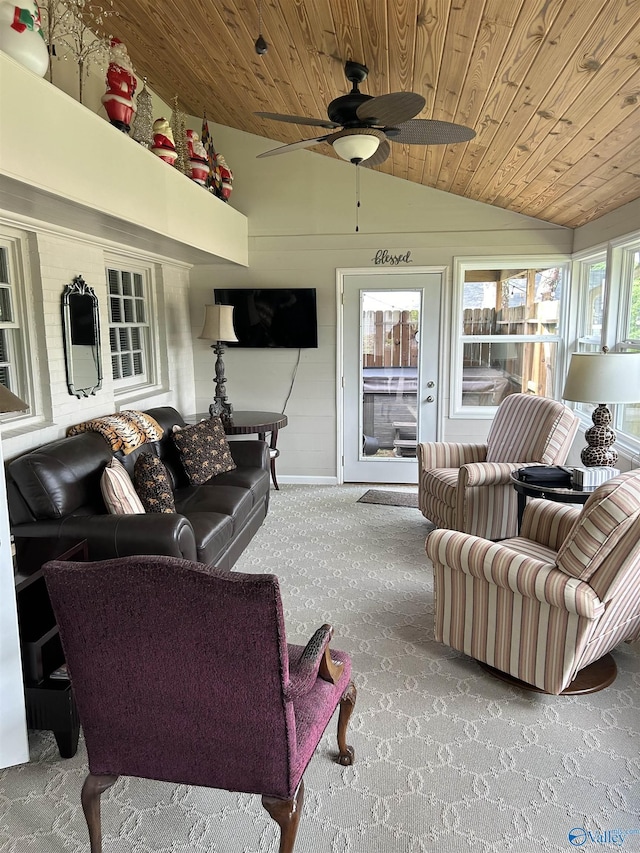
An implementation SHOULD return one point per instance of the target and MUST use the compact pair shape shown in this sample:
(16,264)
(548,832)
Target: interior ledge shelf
(63,164)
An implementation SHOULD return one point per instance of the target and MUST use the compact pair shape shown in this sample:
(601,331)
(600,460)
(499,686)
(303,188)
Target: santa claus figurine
(121,86)
(198,162)
(21,36)
(227,177)
(163,144)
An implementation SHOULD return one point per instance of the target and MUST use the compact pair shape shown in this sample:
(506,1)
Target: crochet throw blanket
(124,430)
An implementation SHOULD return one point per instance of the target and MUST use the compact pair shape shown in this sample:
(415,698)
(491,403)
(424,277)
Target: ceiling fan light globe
(358,147)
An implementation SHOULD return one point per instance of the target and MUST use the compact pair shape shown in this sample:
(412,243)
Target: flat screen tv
(272,317)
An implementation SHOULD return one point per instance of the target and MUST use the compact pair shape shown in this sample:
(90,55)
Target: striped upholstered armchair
(467,487)
(547,606)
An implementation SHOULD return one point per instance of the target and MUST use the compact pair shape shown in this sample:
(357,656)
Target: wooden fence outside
(390,340)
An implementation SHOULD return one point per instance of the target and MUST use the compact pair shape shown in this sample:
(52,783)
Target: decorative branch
(83,34)
(52,14)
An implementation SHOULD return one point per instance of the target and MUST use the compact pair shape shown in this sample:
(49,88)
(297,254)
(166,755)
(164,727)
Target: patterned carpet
(447,758)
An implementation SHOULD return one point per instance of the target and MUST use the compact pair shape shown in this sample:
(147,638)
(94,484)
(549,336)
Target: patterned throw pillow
(203,450)
(118,491)
(152,484)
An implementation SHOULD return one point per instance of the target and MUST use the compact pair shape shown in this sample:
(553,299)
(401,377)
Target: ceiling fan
(368,123)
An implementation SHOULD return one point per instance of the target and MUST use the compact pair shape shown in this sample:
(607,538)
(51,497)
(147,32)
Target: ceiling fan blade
(384,149)
(283,149)
(426,131)
(313,122)
(390,109)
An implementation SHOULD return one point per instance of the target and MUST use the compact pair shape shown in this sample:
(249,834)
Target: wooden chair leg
(286,814)
(347,703)
(93,787)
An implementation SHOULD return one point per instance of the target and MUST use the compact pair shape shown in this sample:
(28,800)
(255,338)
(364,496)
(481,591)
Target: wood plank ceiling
(551,87)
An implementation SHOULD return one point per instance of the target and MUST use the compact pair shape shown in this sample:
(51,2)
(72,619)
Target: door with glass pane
(390,345)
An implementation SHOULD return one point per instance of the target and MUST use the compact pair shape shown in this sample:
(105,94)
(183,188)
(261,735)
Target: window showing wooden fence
(516,366)
(390,339)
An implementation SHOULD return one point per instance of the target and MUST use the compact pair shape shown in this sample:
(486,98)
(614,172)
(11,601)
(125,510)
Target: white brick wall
(55,257)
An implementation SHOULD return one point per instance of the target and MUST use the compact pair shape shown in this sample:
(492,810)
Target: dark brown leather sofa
(54,491)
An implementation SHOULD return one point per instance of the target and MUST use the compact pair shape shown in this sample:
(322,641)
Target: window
(593,287)
(609,315)
(12,355)
(592,280)
(628,335)
(129,332)
(509,335)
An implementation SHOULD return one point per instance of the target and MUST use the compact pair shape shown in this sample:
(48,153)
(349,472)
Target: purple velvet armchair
(183,674)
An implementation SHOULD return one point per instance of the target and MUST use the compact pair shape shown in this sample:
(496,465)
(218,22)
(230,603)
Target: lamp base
(221,408)
(600,438)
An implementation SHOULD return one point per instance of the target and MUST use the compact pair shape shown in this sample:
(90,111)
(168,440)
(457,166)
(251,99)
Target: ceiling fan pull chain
(261,46)
(357,198)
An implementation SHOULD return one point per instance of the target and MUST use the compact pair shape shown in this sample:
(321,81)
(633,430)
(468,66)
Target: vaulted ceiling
(551,87)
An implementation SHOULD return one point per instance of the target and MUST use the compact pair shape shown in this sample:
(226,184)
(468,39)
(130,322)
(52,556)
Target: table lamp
(218,327)
(597,376)
(9,402)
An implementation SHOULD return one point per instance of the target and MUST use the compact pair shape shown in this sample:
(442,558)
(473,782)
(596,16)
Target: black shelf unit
(50,703)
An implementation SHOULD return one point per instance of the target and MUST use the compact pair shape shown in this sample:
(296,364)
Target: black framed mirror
(81,329)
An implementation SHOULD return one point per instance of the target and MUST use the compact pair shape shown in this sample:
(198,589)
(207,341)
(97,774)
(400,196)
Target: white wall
(301,211)
(55,257)
(619,222)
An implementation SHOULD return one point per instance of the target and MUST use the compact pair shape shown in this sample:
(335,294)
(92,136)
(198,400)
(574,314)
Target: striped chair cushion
(442,485)
(529,548)
(439,513)
(611,514)
(548,523)
(490,511)
(531,429)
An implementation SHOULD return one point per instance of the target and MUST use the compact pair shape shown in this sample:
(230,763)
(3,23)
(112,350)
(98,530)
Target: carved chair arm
(315,661)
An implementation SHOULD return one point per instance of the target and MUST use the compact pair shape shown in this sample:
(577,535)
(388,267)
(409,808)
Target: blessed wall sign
(382,256)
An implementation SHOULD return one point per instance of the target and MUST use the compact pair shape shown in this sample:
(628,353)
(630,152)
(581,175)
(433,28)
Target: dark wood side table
(250,423)
(50,703)
(254,423)
(550,493)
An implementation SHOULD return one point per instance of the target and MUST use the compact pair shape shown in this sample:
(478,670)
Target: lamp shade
(218,324)
(359,146)
(597,377)
(9,402)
